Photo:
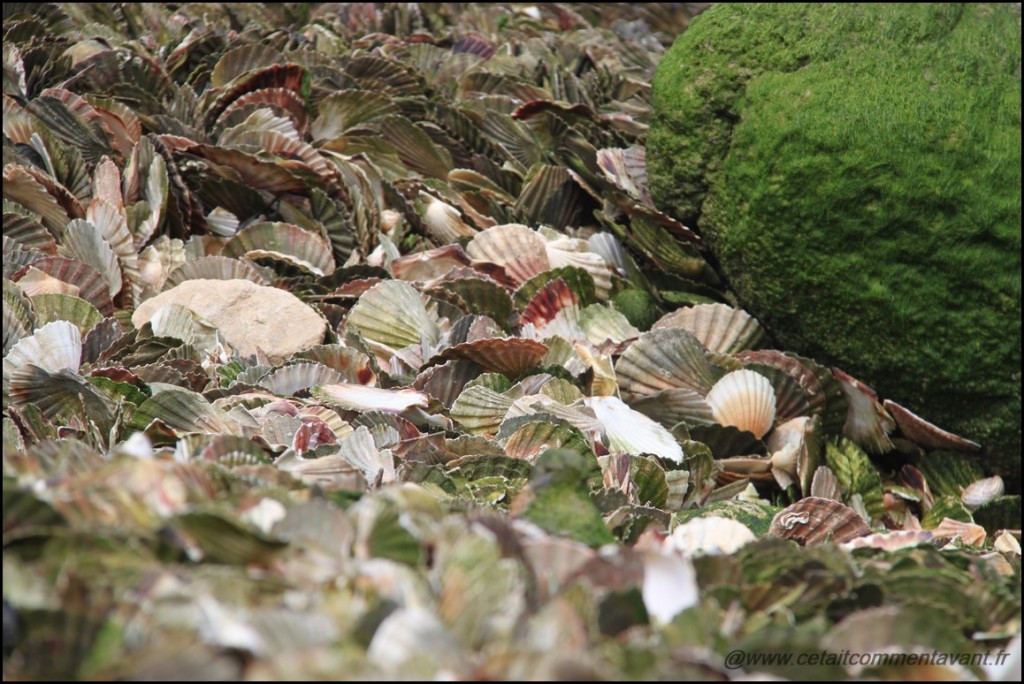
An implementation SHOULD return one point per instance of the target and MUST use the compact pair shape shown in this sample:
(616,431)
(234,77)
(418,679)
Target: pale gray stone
(251,316)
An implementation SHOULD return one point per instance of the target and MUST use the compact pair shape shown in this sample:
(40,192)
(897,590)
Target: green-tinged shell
(480,410)
(664,359)
(949,473)
(638,307)
(184,411)
(948,506)
(296,377)
(534,438)
(561,505)
(297,246)
(601,324)
(224,540)
(393,313)
(857,476)
(61,307)
(480,294)
(650,485)
(215,268)
(579,281)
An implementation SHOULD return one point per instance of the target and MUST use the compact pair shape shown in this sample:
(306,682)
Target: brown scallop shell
(815,521)
(919,430)
(508,355)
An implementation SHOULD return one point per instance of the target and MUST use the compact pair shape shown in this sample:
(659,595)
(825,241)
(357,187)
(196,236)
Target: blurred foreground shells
(347,339)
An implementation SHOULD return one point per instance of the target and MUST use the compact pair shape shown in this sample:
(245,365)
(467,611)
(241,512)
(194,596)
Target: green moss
(856,171)
(638,307)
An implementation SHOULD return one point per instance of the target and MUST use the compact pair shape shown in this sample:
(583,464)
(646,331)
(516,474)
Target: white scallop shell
(632,431)
(520,250)
(712,535)
(744,399)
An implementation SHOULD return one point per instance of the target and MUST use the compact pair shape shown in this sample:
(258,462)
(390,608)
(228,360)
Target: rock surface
(855,169)
(251,316)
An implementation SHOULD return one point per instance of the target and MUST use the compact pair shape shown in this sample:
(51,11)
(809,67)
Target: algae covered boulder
(855,172)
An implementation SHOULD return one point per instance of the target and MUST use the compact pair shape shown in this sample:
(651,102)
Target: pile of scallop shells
(481,410)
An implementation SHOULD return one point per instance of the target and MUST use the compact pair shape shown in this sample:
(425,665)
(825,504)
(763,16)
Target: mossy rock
(855,171)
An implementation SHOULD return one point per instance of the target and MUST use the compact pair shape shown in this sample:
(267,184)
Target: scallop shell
(296,377)
(62,307)
(510,356)
(480,410)
(664,359)
(610,249)
(184,411)
(84,242)
(823,392)
(601,325)
(565,251)
(867,422)
(471,328)
(430,264)
(298,246)
(477,293)
(711,536)
(51,347)
(800,434)
(745,400)
(443,222)
(814,521)
(85,280)
(891,541)
(521,251)
(554,310)
(824,485)
(924,433)
(215,268)
(970,533)
(446,381)
(534,438)
(361,398)
(979,493)
(719,327)
(394,314)
(354,365)
(632,431)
